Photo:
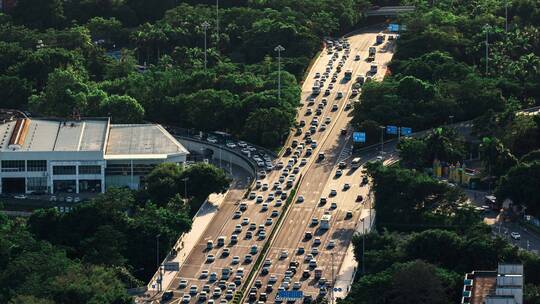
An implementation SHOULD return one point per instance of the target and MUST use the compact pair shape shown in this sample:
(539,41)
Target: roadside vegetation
(426,232)
(438,76)
(57,59)
(93,253)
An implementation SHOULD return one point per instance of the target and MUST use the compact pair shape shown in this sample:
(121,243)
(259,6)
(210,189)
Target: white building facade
(80,156)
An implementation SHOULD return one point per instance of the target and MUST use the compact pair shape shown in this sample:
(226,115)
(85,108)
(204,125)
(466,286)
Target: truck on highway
(372,52)
(325,221)
(348,75)
(356,163)
(380,39)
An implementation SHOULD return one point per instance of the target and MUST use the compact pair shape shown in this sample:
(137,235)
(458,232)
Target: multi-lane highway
(321,181)
(244,224)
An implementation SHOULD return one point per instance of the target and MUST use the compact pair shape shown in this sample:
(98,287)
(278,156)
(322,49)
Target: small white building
(80,156)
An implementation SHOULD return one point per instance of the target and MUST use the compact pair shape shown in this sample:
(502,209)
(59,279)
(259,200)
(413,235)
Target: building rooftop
(47,135)
(122,141)
(141,141)
(484,284)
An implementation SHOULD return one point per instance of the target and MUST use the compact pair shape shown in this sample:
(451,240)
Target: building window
(36,165)
(125,169)
(13,166)
(36,184)
(89,169)
(64,170)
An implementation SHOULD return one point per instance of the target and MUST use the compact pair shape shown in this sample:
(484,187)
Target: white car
(21,196)
(515,235)
(186,298)
(231,145)
(212,140)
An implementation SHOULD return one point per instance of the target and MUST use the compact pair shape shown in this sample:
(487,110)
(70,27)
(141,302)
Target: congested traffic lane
(318,182)
(225,225)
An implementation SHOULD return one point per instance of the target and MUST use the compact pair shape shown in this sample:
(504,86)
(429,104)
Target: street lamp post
(487,28)
(363,247)
(382,139)
(217,24)
(506,16)
(205,26)
(158,263)
(279,49)
(185,180)
(333,280)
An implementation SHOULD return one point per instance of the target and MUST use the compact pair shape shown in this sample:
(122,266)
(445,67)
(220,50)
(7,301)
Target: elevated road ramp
(390,10)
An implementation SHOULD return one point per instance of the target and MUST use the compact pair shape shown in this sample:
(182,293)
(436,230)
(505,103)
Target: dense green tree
(39,13)
(66,91)
(207,178)
(15,92)
(403,290)
(122,109)
(520,185)
(267,127)
(162,182)
(417,200)
(38,65)
(496,157)
(109,30)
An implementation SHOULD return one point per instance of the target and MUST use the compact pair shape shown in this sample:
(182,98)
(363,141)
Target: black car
(167,296)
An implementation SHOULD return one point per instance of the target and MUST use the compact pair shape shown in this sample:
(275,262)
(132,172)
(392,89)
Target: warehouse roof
(90,134)
(47,135)
(141,141)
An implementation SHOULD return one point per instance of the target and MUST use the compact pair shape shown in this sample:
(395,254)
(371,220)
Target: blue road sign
(391,130)
(290,295)
(392,27)
(405,131)
(359,137)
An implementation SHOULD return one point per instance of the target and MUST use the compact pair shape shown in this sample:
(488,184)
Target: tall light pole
(185,180)
(382,139)
(487,28)
(333,280)
(506,15)
(217,23)
(279,49)
(205,26)
(364,246)
(158,263)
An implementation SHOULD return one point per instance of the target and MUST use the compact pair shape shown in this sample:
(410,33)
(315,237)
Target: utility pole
(158,263)
(217,24)
(364,246)
(333,280)
(382,139)
(279,49)
(506,16)
(185,180)
(205,26)
(487,28)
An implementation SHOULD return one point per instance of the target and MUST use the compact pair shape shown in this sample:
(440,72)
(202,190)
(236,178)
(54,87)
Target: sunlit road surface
(318,178)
